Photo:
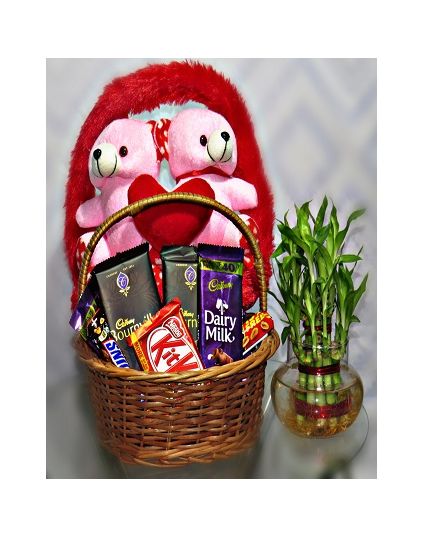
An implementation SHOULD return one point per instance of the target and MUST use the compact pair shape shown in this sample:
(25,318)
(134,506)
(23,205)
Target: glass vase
(316,393)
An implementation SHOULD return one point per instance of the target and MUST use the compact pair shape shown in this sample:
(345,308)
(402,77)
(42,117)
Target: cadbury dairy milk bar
(220,302)
(179,270)
(128,294)
(89,318)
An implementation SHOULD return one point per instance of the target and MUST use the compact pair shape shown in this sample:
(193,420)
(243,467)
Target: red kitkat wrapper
(255,329)
(164,344)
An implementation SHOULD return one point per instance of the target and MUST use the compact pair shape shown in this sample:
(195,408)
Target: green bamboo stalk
(330,397)
(301,396)
(318,380)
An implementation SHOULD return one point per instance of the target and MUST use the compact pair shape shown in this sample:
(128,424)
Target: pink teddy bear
(201,143)
(124,150)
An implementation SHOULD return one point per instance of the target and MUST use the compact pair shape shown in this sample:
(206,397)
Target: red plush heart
(173,223)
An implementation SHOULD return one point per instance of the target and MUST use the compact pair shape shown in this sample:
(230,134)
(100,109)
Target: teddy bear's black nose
(97,153)
(225,135)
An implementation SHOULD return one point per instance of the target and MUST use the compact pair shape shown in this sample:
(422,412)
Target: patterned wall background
(315,122)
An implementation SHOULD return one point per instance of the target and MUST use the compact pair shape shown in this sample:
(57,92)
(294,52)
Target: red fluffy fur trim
(144,90)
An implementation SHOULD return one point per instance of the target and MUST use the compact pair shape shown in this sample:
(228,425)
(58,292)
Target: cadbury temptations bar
(179,268)
(89,318)
(128,293)
(220,302)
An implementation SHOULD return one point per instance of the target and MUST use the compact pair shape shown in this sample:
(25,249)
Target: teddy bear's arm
(242,195)
(90,213)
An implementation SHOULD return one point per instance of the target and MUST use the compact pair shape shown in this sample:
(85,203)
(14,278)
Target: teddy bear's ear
(144,90)
(159,129)
(160,136)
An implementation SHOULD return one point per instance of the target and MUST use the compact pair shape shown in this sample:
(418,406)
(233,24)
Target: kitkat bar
(255,329)
(164,344)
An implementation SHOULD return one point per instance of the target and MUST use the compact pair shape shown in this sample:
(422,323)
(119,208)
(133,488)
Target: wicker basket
(172,419)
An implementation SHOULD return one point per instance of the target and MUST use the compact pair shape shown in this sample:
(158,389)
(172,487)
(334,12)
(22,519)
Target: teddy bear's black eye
(123,151)
(203,140)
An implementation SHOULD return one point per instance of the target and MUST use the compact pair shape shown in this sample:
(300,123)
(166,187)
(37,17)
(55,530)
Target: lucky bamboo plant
(314,279)
(318,298)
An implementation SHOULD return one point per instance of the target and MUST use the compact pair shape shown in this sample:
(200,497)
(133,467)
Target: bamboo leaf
(334,221)
(287,260)
(315,287)
(312,244)
(327,258)
(342,286)
(290,234)
(275,297)
(305,207)
(285,334)
(278,251)
(296,315)
(331,297)
(270,292)
(321,214)
(320,262)
(341,235)
(310,308)
(360,291)
(349,308)
(354,266)
(282,304)
(356,214)
(330,245)
(348,258)
(347,277)
(303,221)
(322,234)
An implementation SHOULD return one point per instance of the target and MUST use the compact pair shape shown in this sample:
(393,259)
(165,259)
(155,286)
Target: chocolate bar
(255,329)
(164,344)
(128,294)
(220,302)
(89,318)
(179,271)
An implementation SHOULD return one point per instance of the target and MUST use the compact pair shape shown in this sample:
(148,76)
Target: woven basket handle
(183,197)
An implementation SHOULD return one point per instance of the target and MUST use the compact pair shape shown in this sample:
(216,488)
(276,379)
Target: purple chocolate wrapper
(220,301)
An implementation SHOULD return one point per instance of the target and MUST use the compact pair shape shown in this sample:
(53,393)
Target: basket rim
(266,350)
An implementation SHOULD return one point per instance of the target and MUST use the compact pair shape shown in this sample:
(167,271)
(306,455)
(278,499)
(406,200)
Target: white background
(388,30)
